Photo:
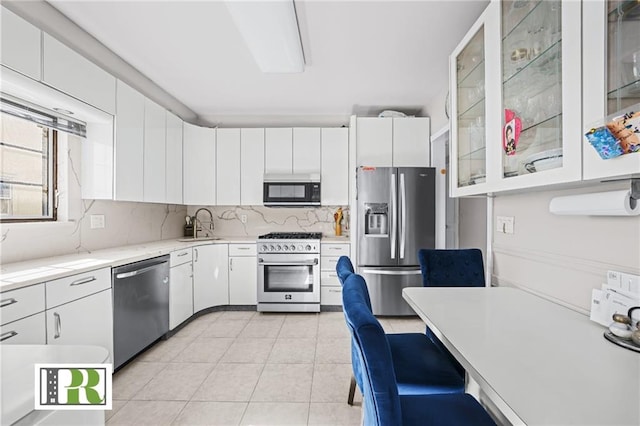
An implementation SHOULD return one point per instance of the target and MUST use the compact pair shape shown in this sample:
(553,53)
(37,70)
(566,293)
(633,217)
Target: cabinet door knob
(57,326)
(8,335)
(7,302)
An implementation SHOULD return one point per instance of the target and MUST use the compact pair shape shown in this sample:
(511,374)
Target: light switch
(505,224)
(243,218)
(97,221)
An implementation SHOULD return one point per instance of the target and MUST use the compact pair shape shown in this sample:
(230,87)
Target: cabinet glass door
(470,112)
(531,87)
(623,54)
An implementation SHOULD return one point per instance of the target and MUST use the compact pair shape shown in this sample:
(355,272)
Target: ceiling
(361,56)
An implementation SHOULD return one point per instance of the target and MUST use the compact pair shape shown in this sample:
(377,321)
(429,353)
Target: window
(27,170)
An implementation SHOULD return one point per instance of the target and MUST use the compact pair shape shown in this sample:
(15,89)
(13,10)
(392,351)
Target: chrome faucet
(196,221)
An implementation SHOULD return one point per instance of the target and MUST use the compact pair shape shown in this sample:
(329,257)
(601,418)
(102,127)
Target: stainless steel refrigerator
(396,217)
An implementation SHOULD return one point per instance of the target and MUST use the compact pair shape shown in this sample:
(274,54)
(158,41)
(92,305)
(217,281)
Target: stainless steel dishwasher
(140,306)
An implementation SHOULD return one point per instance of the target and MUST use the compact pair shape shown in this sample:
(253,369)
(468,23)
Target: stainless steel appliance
(289,272)
(291,190)
(140,306)
(396,217)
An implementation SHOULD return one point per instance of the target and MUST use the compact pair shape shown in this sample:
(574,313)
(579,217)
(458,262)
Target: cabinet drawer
(329,278)
(242,249)
(330,249)
(331,296)
(71,288)
(179,257)
(328,263)
(26,331)
(21,303)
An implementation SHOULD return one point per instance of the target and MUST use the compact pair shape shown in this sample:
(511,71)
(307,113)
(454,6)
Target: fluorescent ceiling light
(270,29)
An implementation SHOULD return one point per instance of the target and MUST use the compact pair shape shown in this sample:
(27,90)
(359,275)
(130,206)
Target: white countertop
(541,363)
(17,372)
(22,274)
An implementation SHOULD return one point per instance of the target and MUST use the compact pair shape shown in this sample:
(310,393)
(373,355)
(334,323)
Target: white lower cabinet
(25,331)
(180,291)
(210,276)
(243,274)
(85,321)
(330,287)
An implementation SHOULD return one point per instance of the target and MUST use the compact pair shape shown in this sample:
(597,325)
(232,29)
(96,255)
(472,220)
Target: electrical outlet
(97,221)
(505,224)
(243,218)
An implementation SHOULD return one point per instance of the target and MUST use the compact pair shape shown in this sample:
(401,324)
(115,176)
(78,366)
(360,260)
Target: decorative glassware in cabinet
(470,112)
(623,54)
(531,87)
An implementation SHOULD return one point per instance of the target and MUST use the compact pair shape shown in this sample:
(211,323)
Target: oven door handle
(291,263)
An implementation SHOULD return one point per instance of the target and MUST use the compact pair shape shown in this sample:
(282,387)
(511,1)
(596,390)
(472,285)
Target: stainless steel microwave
(291,190)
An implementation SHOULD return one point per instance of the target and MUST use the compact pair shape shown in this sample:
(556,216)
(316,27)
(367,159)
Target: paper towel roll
(612,203)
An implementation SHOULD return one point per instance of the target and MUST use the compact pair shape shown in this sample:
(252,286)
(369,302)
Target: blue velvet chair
(451,268)
(383,404)
(344,268)
(419,365)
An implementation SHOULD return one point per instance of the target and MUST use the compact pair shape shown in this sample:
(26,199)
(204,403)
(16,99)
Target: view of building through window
(27,170)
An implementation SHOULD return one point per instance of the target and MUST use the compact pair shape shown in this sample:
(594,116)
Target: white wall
(563,257)
(434,108)
(125,223)
(472,224)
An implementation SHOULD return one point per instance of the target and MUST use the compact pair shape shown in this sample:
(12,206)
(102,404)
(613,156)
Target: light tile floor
(246,368)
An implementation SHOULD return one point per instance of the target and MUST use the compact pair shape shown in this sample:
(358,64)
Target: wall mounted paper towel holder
(624,202)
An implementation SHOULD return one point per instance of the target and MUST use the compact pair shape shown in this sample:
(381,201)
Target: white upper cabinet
(228,167)
(306,150)
(374,144)
(199,165)
(174,159)
(129,145)
(411,137)
(335,167)
(155,134)
(516,99)
(20,45)
(252,166)
(278,150)
(611,73)
(71,73)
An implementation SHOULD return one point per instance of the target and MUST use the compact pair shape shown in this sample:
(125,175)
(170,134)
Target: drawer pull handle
(243,248)
(231,264)
(7,302)
(83,281)
(333,275)
(58,325)
(183,254)
(8,335)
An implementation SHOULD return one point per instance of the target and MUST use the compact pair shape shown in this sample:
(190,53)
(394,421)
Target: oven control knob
(293,247)
(264,248)
(285,247)
(300,248)
(271,248)
(278,247)
(308,247)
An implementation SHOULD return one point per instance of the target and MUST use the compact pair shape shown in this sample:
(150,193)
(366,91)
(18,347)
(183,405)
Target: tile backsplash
(261,220)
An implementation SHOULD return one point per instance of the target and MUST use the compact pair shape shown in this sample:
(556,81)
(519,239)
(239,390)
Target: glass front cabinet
(611,73)
(529,110)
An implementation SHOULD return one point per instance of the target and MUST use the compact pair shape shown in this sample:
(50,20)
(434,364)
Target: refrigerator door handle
(390,272)
(394,215)
(403,215)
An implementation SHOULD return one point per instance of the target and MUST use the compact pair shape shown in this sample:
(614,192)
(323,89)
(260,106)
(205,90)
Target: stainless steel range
(289,272)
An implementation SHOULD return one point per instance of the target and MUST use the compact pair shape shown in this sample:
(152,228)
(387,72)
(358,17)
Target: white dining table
(540,363)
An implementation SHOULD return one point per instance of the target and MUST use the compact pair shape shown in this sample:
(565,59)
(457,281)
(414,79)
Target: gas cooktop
(291,236)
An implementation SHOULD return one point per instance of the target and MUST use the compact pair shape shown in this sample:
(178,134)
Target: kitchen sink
(190,239)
